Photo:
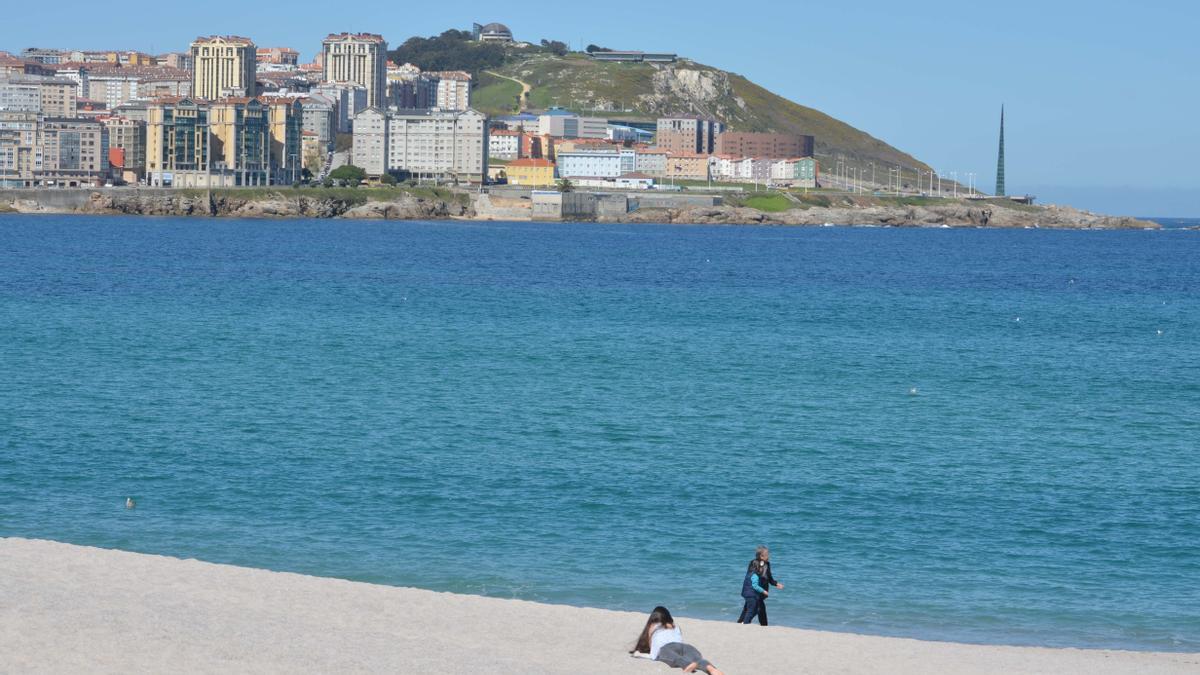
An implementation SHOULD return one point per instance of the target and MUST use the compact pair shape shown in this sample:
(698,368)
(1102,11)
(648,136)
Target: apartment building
(180,60)
(682,134)
(223,66)
(504,144)
(360,58)
(51,96)
(453,89)
(20,154)
(418,92)
(319,113)
(74,153)
(286,118)
(370,148)
(763,145)
(439,142)
(422,142)
(280,56)
(796,172)
(350,99)
(126,148)
(651,162)
(77,73)
(20,96)
(230,142)
(681,166)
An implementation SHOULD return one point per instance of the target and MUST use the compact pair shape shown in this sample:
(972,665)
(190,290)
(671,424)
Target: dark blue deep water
(616,415)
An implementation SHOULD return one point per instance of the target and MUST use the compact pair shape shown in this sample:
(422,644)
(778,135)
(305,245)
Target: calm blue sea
(616,415)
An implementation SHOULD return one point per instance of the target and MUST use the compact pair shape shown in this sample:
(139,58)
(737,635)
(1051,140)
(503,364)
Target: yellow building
(530,171)
(286,116)
(687,166)
(177,144)
(234,141)
(223,66)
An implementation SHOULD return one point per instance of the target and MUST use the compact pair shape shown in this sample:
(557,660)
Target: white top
(663,637)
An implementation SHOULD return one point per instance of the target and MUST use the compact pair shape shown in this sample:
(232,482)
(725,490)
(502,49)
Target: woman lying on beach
(662,641)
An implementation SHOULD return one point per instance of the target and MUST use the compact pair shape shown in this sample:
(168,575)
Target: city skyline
(1057,77)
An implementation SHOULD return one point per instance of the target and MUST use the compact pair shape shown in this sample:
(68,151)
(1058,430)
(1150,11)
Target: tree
(452,50)
(565,185)
(387,179)
(348,173)
(594,48)
(556,47)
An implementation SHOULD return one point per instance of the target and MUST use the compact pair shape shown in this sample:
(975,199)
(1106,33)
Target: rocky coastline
(446,204)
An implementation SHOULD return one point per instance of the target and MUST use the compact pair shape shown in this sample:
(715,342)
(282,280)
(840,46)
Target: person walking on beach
(754,587)
(662,640)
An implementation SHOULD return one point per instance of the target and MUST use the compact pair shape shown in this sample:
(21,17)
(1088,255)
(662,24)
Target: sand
(67,608)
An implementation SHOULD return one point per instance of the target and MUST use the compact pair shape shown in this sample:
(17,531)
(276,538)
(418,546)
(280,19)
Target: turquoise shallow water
(616,415)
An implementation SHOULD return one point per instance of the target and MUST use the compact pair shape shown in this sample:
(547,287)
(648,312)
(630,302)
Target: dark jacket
(763,570)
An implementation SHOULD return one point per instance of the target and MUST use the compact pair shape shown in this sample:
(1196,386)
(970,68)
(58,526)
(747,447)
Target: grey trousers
(680,655)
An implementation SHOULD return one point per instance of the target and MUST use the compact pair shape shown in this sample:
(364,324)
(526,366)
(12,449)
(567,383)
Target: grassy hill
(646,91)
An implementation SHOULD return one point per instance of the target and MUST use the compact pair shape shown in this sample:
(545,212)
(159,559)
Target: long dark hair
(660,616)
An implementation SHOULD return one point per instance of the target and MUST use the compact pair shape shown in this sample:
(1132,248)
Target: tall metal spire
(1000,191)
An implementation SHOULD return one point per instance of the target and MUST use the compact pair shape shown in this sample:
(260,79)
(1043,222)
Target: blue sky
(1102,96)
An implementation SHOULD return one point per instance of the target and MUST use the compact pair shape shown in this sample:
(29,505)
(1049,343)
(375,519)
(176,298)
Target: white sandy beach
(67,608)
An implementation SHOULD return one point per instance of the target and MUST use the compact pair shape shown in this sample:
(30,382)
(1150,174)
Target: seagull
(912,392)
(1018,319)
(1160,331)
(129,502)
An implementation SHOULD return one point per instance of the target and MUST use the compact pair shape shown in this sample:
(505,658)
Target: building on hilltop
(492,32)
(633,57)
(360,58)
(223,66)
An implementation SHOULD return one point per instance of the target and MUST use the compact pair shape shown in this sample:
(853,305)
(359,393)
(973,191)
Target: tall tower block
(1000,190)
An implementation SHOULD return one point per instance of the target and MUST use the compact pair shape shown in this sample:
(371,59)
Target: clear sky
(1102,96)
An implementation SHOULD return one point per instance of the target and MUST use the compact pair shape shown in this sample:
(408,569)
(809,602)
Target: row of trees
(457,50)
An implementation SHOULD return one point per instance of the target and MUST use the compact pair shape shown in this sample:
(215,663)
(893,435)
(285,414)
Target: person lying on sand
(661,640)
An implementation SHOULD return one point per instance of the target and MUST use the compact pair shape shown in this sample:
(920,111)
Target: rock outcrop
(949,215)
(404,206)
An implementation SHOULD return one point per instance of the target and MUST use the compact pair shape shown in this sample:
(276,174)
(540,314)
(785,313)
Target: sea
(977,435)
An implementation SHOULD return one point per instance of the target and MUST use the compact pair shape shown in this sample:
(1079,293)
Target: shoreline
(428,203)
(77,607)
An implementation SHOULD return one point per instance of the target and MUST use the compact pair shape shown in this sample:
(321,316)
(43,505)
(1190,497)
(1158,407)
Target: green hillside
(646,91)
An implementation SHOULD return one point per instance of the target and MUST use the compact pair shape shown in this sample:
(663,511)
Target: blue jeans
(756,605)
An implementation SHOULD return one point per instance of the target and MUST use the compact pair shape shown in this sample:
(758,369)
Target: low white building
(588,163)
(651,162)
(503,144)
